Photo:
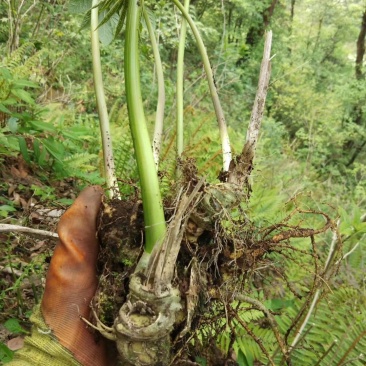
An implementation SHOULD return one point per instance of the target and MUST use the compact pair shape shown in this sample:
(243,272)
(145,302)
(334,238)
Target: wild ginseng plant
(196,260)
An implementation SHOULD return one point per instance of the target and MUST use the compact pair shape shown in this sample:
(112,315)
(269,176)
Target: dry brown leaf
(15,343)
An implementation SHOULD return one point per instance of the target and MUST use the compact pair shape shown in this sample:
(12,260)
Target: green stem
(109,166)
(225,142)
(155,226)
(159,119)
(180,82)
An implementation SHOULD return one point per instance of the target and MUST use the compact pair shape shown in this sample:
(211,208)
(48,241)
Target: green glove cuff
(42,347)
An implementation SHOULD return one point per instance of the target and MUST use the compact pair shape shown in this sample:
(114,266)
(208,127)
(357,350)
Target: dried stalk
(242,166)
(7,228)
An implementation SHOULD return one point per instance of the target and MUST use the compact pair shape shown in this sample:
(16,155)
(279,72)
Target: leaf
(23,149)
(107,30)
(25,83)
(42,126)
(80,6)
(201,361)
(5,73)
(4,109)
(23,95)
(7,208)
(15,343)
(6,355)
(54,148)
(278,304)
(13,326)
(13,124)
(242,359)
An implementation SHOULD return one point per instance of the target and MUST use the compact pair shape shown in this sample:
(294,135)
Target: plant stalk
(180,82)
(159,119)
(155,226)
(109,166)
(225,141)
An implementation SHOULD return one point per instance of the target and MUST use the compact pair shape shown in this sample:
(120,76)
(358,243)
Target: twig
(7,228)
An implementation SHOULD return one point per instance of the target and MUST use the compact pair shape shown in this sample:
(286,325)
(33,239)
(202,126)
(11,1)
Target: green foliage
(44,143)
(6,355)
(13,326)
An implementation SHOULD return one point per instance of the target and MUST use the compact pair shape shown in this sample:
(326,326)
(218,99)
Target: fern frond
(18,57)
(80,162)
(339,319)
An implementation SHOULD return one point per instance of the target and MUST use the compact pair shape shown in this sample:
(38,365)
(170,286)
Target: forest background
(312,142)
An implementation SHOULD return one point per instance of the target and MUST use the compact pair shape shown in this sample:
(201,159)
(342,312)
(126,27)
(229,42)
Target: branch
(240,169)
(6,228)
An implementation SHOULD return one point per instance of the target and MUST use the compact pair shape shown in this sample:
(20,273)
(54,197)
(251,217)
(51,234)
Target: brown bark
(357,114)
(255,33)
(292,9)
(361,48)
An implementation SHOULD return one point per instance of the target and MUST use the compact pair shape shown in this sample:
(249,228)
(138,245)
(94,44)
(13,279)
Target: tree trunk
(357,113)
(360,48)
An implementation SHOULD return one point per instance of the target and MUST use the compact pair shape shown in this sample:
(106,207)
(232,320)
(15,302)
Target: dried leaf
(15,343)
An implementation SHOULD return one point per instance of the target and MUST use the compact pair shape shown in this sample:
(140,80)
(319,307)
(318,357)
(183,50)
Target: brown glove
(72,280)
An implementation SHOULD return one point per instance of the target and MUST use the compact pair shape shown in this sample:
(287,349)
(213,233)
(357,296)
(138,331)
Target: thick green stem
(180,88)
(109,166)
(159,119)
(225,142)
(155,226)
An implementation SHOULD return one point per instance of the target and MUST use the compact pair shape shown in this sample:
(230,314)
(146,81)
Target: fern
(338,325)
(18,57)
(80,161)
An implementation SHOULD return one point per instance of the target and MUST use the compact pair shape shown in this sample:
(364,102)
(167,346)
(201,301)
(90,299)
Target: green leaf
(10,101)
(5,73)
(80,6)
(42,126)
(242,359)
(7,208)
(23,95)
(13,326)
(278,304)
(78,133)
(13,124)
(6,355)
(107,30)
(24,149)
(4,109)
(201,361)
(65,201)
(24,83)
(54,148)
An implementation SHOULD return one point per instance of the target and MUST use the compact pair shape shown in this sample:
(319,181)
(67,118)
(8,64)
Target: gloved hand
(71,283)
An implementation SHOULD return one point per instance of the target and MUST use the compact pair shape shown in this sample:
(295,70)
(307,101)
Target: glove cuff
(42,347)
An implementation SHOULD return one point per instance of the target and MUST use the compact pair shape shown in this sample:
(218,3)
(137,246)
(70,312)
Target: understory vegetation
(295,243)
